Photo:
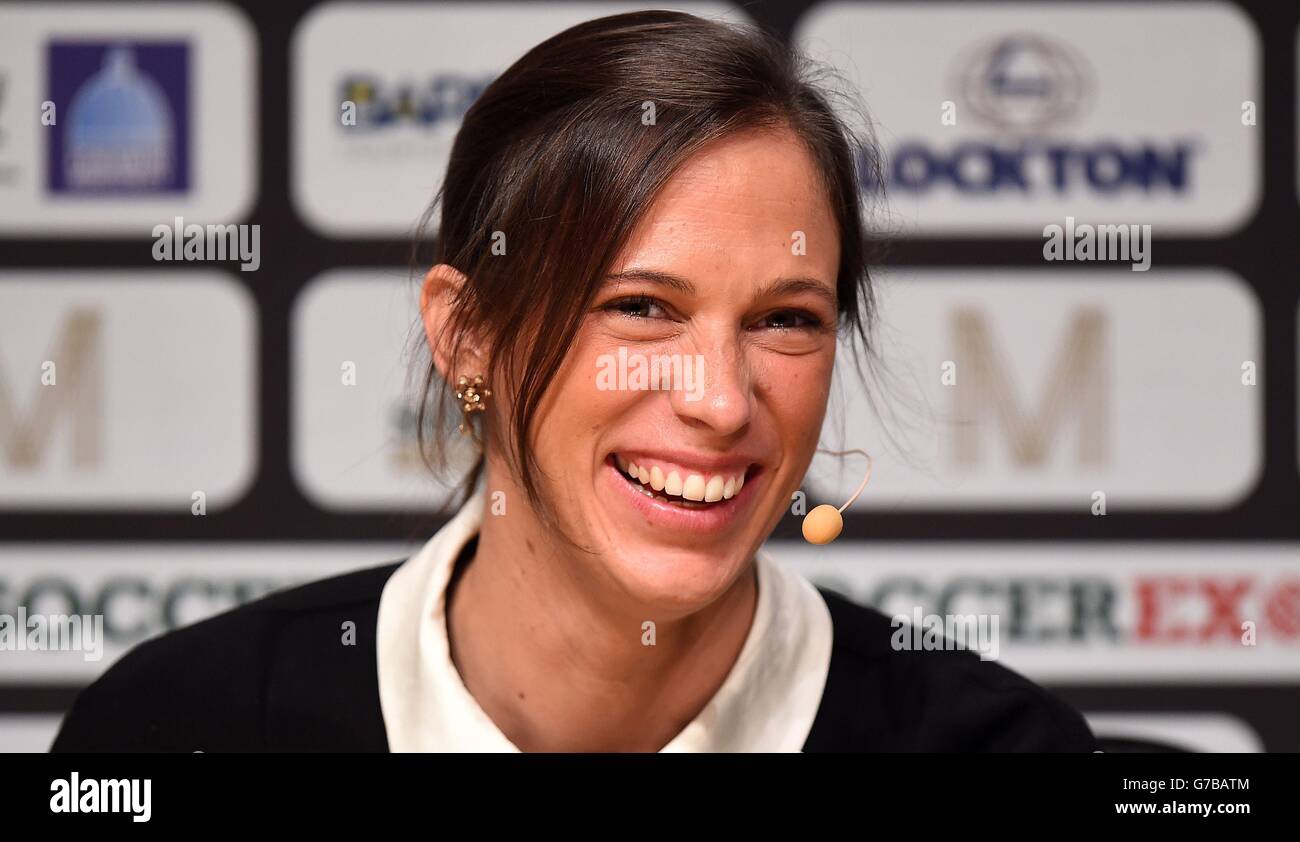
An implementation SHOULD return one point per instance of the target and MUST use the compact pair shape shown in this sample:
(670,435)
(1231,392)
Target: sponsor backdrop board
(1011,113)
(209,344)
(119,116)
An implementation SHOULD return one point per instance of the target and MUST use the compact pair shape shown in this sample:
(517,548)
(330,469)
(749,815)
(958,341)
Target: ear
(442,285)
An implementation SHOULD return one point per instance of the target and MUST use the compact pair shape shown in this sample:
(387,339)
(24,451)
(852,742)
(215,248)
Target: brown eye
(637,307)
(790,319)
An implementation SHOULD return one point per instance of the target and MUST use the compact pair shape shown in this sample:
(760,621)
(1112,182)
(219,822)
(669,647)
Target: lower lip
(659,514)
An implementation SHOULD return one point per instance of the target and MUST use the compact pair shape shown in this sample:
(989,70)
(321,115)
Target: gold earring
(473,398)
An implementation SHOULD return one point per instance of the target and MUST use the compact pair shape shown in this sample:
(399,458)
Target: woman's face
(728,289)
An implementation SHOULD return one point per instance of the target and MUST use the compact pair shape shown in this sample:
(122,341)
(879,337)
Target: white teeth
(696,487)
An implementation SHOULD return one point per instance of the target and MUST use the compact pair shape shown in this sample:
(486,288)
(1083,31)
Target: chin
(675,582)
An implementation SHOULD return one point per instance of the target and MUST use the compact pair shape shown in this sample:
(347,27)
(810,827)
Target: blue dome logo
(124,118)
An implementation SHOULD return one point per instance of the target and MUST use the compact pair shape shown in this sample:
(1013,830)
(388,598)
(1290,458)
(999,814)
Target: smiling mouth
(688,490)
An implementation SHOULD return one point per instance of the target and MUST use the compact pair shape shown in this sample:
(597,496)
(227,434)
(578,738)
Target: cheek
(795,390)
(576,414)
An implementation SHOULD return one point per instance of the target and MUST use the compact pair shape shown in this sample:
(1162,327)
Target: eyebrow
(654,277)
(780,286)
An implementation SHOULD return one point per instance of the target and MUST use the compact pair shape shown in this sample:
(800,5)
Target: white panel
(216,44)
(1127,113)
(153,394)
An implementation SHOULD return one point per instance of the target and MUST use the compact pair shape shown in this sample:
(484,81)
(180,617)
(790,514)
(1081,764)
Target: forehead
(740,202)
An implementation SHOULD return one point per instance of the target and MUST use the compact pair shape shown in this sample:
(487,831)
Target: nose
(719,397)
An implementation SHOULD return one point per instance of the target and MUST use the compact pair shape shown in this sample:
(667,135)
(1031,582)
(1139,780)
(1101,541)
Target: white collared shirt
(767,703)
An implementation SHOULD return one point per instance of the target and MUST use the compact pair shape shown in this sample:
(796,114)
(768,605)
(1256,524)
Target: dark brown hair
(556,156)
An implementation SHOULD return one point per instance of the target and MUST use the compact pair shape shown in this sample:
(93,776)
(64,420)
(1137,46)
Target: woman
(644,189)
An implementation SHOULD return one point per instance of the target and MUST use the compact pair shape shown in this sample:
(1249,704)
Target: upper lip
(699,462)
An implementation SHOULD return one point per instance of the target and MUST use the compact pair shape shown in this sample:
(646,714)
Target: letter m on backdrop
(25,431)
(1076,386)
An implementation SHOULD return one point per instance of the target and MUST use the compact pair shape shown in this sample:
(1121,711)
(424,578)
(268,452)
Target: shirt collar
(767,703)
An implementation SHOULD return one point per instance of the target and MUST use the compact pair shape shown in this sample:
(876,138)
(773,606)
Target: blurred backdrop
(1102,453)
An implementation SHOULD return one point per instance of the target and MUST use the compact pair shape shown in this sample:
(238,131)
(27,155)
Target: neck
(555,653)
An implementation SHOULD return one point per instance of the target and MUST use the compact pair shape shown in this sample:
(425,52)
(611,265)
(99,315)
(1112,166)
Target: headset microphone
(824,523)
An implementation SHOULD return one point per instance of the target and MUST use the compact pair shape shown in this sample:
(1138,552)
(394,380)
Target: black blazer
(274,675)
